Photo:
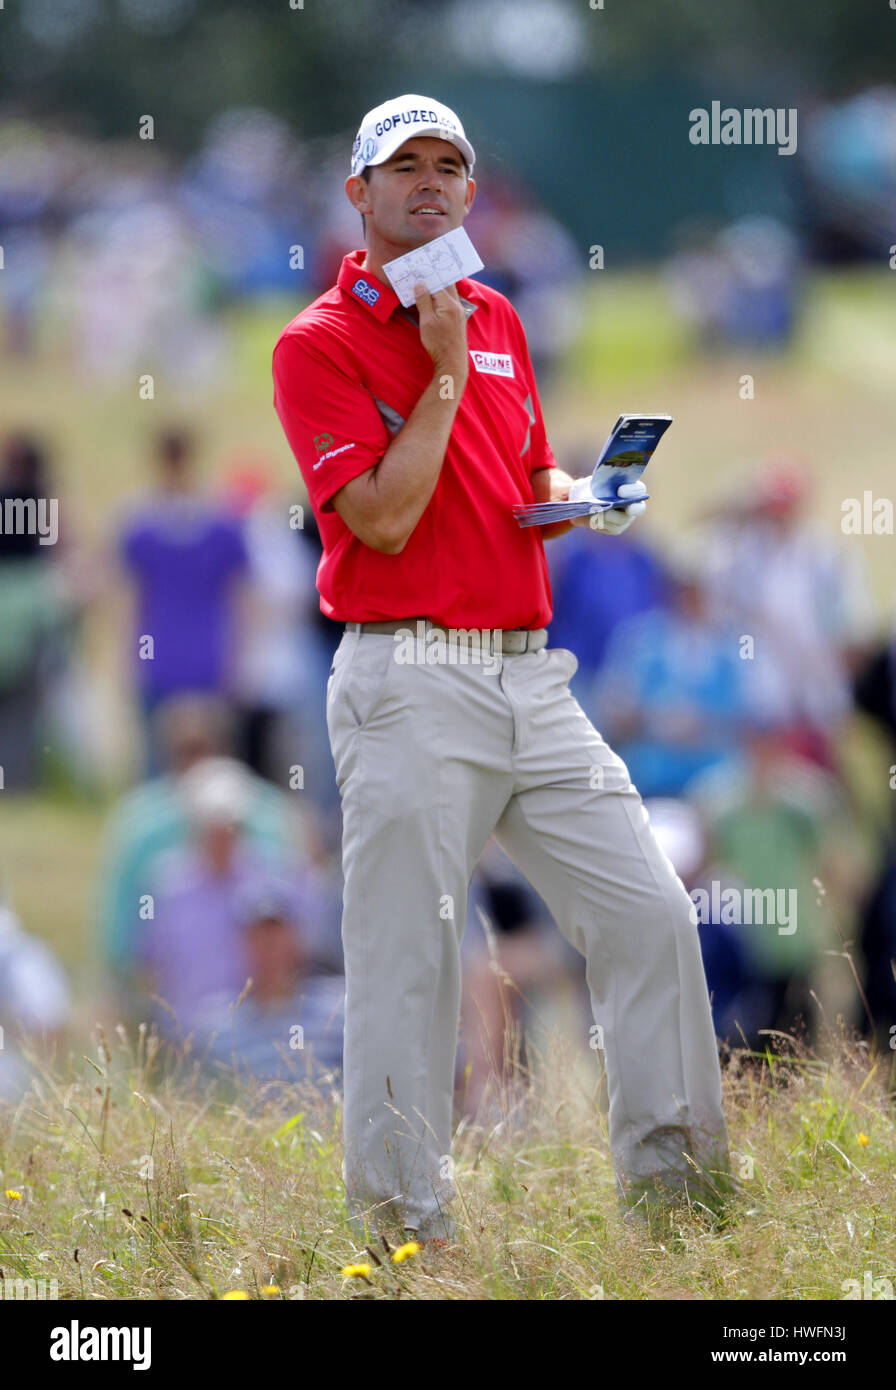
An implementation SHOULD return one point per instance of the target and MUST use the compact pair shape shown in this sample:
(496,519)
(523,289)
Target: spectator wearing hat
(193,945)
(287,1023)
(150,821)
(800,595)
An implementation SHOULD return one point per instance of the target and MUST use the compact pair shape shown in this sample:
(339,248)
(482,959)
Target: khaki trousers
(431,759)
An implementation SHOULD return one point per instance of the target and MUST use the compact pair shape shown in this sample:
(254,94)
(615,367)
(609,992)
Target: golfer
(417,431)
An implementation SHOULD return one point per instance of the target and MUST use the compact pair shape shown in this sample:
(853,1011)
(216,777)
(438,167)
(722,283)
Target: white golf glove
(616,519)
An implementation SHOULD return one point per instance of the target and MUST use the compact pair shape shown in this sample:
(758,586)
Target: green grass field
(246,1195)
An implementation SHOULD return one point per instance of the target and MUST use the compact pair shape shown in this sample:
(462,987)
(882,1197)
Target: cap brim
(436,131)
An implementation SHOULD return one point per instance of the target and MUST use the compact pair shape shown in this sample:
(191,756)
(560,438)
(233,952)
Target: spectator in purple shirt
(194,944)
(184,556)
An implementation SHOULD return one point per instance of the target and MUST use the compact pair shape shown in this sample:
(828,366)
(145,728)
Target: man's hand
(443,332)
(551,485)
(618,519)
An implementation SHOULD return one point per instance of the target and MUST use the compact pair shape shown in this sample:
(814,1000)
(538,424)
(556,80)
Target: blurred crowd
(133,258)
(727,671)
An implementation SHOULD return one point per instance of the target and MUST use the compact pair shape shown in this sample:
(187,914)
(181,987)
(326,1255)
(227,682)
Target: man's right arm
(383,505)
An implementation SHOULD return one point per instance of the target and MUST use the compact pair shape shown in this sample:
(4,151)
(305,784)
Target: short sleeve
(329,417)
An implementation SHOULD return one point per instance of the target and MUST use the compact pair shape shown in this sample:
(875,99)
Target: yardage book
(439,263)
(623,459)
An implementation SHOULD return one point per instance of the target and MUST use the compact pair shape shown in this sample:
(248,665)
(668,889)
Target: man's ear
(357,192)
(471,194)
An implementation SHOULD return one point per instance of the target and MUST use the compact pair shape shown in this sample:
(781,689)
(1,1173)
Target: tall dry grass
(139,1178)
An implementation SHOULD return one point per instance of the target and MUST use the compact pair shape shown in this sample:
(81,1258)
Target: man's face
(420,193)
(274,953)
(218,843)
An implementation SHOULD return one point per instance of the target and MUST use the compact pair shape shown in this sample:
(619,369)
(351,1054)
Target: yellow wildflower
(234,1293)
(405,1251)
(863,1140)
(355,1271)
(13,1195)
(271,1290)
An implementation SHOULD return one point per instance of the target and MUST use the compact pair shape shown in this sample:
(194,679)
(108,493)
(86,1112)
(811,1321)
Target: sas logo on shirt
(495,363)
(365,291)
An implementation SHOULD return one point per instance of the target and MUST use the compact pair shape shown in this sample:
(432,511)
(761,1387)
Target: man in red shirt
(416,432)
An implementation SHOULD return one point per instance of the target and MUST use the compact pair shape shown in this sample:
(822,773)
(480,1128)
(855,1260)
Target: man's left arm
(551,484)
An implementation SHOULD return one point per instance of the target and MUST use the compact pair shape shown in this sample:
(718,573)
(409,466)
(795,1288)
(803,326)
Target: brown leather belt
(496,641)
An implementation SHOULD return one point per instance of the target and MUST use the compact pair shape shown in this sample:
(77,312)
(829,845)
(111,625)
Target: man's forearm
(393,495)
(405,479)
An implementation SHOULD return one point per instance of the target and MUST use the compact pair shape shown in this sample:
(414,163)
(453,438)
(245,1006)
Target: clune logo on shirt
(495,363)
(364,290)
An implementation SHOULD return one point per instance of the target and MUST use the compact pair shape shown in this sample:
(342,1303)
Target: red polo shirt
(348,371)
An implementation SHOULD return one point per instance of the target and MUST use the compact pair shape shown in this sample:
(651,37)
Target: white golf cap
(385,128)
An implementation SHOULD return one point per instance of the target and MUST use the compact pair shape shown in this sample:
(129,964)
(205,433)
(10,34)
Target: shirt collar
(365,288)
(380,298)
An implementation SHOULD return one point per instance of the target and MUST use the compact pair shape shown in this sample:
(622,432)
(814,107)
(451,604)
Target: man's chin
(427,231)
